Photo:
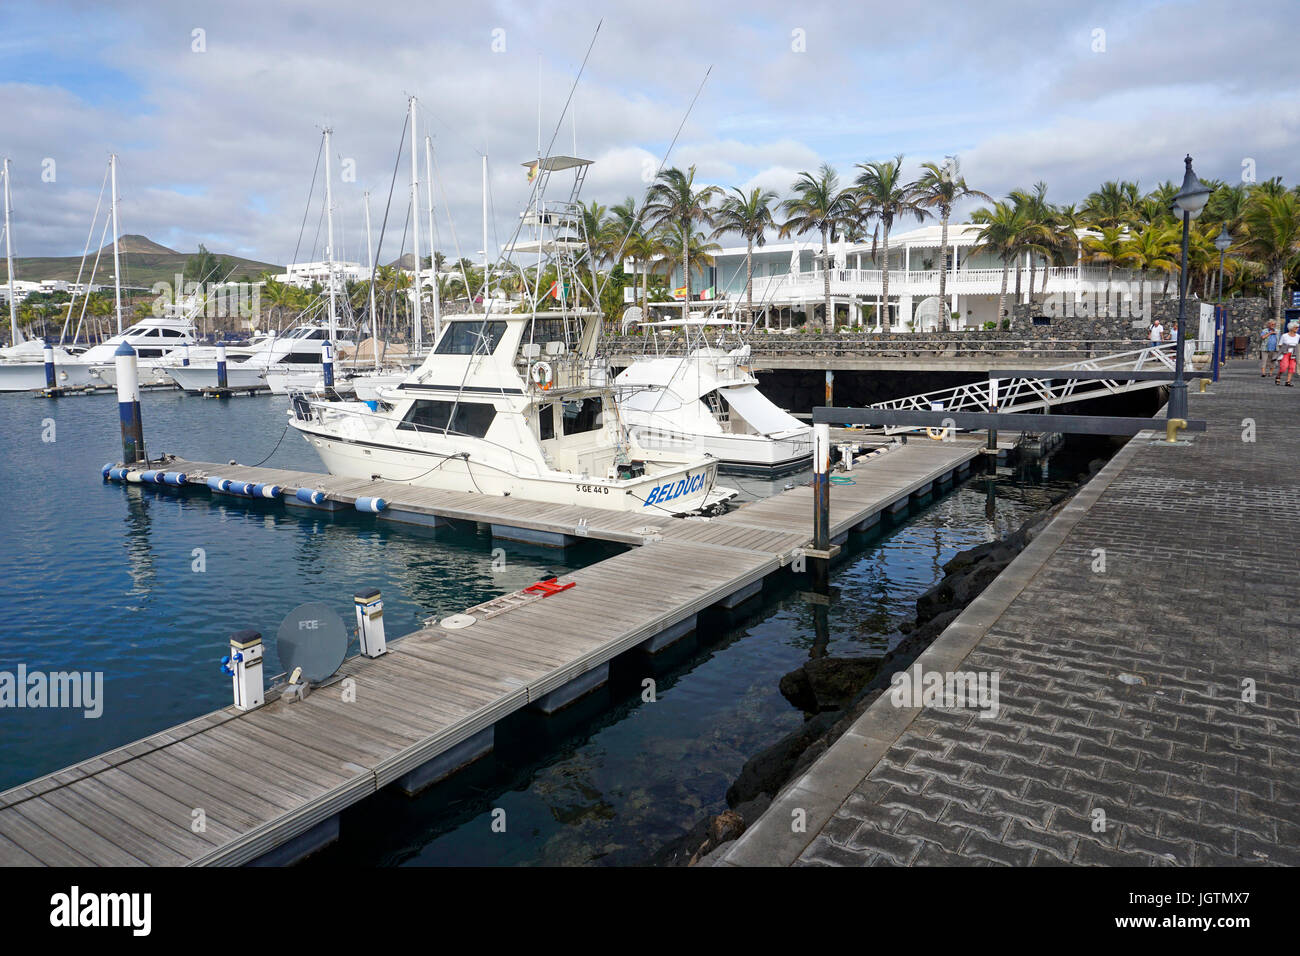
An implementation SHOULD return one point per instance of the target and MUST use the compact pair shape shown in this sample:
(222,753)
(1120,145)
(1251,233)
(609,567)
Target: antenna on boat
(374,316)
(486,259)
(433,236)
(9,259)
(416,319)
(329,232)
(117,262)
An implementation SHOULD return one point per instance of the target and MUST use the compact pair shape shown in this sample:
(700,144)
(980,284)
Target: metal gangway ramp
(1017,393)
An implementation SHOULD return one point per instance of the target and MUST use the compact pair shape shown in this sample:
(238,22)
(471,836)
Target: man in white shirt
(1157,333)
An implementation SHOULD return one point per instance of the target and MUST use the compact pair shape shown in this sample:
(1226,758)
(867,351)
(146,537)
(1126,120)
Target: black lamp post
(1221,242)
(1189,201)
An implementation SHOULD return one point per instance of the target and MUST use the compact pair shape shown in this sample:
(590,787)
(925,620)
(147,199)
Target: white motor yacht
(708,401)
(297,350)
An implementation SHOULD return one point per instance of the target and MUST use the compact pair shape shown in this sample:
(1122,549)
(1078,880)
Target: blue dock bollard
(128,405)
(243,665)
(221,365)
(370,622)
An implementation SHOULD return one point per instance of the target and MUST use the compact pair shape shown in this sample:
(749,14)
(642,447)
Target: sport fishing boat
(708,401)
(516,403)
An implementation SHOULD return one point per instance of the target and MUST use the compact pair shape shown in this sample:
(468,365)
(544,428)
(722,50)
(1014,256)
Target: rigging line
(636,221)
(383,226)
(84,252)
(320,150)
(446,206)
(91,281)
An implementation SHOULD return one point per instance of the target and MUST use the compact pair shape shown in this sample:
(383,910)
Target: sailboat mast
(370,256)
(117,262)
(433,242)
(416,318)
(16,336)
(329,233)
(486,260)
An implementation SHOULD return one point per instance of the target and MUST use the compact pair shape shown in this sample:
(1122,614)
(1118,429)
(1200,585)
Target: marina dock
(269,784)
(1148,712)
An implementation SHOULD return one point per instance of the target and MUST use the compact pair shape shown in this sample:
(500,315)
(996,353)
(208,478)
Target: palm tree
(1037,235)
(819,204)
(751,216)
(882,195)
(939,188)
(1151,247)
(1000,236)
(1272,226)
(1106,245)
(1112,204)
(673,201)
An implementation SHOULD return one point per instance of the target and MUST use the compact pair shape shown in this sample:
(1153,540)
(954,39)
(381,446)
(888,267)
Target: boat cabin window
(541,332)
(583,415)
(171,334)
(465,418)
(470,337)
(546,422)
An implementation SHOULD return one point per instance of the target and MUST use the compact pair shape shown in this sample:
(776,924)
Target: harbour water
(105,578)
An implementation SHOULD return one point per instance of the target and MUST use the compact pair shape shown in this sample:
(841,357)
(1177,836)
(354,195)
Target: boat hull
(30,376)
(758,453)
(674,489)
(195,378)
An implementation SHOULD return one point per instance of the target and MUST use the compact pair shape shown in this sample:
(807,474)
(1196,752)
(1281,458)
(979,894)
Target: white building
(306,274)
(789,282)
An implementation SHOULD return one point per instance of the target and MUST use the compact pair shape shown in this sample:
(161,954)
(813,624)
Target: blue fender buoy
(219,484)
(266,491)
(106,470)
(118,473)
(371,505)
(309,496)
(174,478)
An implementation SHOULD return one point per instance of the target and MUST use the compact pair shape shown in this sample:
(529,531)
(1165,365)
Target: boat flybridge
(516,400)
(297,350)
(708,401)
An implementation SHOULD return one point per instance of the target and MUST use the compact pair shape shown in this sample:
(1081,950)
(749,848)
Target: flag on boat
(532,171)
(707,293)
(679,293)
(555,293)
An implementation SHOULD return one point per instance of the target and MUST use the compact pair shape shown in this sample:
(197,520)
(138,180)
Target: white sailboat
(22,363)
(516,403)
(708,402)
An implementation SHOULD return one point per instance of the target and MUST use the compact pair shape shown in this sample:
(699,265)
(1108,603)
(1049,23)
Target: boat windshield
(470,337)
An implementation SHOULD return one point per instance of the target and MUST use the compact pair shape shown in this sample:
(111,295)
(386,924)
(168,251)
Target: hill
(144,262)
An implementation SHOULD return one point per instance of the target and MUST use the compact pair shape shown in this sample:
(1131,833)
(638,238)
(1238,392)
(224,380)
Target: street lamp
(1189,201)
(1221,242)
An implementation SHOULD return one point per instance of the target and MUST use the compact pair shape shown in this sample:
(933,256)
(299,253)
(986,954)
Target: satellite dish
(632,315)
(312,639)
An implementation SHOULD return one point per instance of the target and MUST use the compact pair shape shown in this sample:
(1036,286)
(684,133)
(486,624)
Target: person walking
(1268,348)
(1157,335)
(1288,346)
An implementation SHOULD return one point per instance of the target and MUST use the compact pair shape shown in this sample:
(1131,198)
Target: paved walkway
(1198,599)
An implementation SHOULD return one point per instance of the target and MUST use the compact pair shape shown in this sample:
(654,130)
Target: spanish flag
(679,293)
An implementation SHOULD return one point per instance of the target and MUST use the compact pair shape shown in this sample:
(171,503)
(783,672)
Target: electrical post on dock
(221,365)
(128,405)
(50,381)
(830,388)
(821,487)
(244,667)
(370,622)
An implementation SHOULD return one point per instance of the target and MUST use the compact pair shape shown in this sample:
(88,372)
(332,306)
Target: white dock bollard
(370,622)
(244,666)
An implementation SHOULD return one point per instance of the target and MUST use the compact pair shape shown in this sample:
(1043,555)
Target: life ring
(938,434)
(542,375)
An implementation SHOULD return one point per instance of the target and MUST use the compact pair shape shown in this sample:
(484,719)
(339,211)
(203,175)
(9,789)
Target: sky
(216,110)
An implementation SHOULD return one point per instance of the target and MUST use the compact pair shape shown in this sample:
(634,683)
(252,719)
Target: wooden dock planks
(261,778)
